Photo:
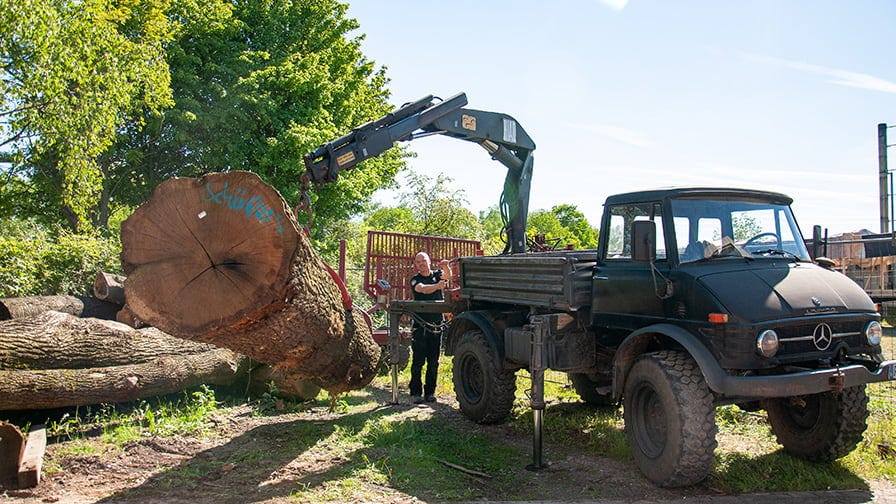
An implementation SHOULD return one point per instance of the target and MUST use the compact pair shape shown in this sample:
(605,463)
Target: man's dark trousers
(425,348)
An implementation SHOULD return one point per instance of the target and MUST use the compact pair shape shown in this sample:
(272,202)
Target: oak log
(81,306)
(55,340)
(220,259)
(25,389)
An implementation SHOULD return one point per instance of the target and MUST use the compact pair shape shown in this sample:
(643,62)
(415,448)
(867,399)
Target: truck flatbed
(559,280)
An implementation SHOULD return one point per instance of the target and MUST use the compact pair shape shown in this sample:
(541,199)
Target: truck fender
(474,320)
(637,343)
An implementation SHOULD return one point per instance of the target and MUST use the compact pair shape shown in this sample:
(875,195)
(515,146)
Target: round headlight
(767,343)
(874,332)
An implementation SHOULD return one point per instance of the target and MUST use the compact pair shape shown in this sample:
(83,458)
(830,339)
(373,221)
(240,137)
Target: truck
(695,297)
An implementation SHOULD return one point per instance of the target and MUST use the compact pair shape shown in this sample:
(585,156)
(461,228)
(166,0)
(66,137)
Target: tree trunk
(55,388)
(220,260)
(55,340)
(109,287)
(81,306)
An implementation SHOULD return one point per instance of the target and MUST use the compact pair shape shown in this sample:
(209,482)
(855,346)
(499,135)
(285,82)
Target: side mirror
(816,242)
(643,241)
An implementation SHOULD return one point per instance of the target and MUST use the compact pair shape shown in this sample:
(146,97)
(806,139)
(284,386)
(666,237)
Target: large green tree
(73,71)
(104,99)
(438,209)
(258,84)
(562,225)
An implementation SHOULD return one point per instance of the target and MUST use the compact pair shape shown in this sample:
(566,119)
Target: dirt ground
(141,472)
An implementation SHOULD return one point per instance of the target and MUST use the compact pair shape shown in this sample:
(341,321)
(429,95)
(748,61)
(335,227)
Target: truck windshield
(706,229)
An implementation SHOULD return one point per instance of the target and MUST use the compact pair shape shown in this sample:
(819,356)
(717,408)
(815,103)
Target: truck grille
(823,337)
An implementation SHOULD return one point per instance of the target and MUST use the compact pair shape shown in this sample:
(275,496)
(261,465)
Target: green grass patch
(409,455)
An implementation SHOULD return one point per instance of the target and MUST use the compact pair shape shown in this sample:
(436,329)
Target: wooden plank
(33,457)
(12,445)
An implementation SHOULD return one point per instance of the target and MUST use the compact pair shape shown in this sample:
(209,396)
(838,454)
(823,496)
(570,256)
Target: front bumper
(802,383)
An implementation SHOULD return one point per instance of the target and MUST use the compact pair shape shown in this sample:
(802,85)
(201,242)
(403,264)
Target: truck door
(627,294)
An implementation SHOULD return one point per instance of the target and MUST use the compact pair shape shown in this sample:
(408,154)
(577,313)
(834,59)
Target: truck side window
(619,233)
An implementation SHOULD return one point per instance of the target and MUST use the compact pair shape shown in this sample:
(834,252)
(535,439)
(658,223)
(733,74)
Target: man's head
(422,263)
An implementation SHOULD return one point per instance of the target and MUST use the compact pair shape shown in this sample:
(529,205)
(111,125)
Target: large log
(55,340)
(81,306)
(220,259)
(55,388)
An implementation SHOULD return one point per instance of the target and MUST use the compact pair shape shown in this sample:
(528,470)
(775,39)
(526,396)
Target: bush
(40,261)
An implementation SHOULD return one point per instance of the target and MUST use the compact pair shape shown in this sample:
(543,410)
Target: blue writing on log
(253,207)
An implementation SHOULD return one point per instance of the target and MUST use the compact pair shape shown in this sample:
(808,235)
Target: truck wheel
(669,419)
(587,388)
(484,390)
(819,427)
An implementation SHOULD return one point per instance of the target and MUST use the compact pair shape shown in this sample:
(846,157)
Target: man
(427,285)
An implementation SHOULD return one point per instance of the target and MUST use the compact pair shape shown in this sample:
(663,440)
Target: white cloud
(838,76)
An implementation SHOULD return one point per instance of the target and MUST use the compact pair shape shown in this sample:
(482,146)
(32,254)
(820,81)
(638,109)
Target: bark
(221,260)
(109,287)
(287,387)
(81,306)
(55,388)
(55,340)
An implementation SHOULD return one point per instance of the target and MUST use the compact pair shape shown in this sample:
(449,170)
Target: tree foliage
(438,209)
(562,225)
(104,99)
(37,260)
(257,85)
(73,71)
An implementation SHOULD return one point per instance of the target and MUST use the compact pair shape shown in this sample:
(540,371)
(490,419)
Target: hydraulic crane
(499,134)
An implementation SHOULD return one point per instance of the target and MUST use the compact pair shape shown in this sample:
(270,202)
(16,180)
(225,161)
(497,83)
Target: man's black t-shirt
(434,278)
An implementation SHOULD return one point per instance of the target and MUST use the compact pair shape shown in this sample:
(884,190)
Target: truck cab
(729,266)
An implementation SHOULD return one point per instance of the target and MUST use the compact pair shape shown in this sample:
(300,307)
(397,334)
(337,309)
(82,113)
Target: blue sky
(625,95)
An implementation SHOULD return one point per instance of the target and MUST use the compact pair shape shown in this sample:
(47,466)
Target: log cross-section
(220,259)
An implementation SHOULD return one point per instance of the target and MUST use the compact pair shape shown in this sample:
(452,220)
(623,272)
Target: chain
(429,325)
(304,204)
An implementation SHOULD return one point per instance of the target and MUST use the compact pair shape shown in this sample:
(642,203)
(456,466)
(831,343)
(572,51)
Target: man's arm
(430,288)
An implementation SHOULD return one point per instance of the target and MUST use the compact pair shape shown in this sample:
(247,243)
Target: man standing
(427,285)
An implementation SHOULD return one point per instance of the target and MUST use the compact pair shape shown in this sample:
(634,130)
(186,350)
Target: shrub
(38,261)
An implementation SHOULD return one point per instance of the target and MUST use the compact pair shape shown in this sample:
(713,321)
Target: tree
(575,222)
(437,209)
(492,234)
(104,99)
(73,71)
(561,226)
(257,85)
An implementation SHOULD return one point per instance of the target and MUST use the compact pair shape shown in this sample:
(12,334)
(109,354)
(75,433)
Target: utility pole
(884,175)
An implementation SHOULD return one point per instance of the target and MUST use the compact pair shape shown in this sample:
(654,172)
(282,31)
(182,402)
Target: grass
(748,458)
(376,452)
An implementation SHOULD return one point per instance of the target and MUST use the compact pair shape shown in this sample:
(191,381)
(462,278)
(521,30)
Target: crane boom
(499,134)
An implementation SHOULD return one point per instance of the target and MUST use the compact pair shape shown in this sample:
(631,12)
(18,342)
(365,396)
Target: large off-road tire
(669,419)
(484,389)
(819,427)
(589,389)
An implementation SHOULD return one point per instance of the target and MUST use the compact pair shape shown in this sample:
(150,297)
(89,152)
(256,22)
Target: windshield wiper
(784,253)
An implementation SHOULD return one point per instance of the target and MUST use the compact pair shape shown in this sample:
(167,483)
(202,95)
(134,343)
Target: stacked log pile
(56,359)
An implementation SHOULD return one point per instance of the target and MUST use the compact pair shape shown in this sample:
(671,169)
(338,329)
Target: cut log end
(206,252)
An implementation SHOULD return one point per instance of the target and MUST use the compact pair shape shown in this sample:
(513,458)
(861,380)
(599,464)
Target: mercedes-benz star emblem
(816,301)
(822,336)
